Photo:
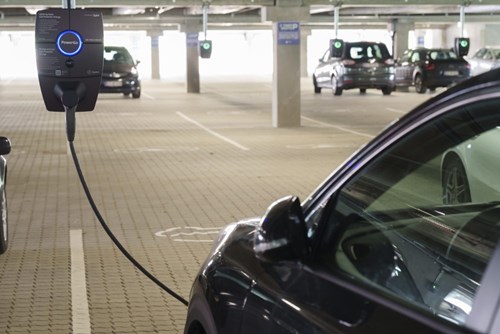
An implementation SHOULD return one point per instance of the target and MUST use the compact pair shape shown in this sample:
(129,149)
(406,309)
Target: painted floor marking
(188,233)
(338,127)
(149,96)
(218,135)
(79,301)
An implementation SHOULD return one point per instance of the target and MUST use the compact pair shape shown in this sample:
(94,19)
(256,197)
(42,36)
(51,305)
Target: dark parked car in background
(484,59)
(5,147)
(430,68)
(362,65)
(119,74)
(374,249)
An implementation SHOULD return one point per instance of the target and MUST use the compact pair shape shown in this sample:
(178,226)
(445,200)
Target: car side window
(391,226)
(326,56)
(415,57)
(480,53)
(496,53)
(488,56)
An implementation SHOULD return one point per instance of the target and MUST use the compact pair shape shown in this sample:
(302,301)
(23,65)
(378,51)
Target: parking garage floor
(167,172)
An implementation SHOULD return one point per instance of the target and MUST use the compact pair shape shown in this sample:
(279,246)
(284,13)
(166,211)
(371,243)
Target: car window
(367,51)
(480,53)
(496,53)
(390,227)
(118,56)
(326,55)
(415,57)
(442,55)
(487,55)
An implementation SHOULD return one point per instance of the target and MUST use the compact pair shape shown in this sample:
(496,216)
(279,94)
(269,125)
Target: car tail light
(348,62)
(389,61)
(430,67)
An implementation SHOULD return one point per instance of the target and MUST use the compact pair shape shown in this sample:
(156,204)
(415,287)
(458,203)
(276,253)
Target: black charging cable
(70,131)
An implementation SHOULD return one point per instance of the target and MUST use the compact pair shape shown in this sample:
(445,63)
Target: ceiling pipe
(462,20)
(205,18)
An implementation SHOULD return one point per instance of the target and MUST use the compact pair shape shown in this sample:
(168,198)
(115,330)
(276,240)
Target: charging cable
(70,131)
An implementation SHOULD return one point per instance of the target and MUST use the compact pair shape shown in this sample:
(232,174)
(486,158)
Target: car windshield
(496,53)
(117,56)
(365,51)
(442,55)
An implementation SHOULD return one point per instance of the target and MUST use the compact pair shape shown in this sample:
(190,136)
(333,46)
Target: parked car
(119,73)
(373,249)
(469,170)
(430,68)
(485,59)
(5,147)
(362,65)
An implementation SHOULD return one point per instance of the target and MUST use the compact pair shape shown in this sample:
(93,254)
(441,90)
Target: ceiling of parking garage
(169,14)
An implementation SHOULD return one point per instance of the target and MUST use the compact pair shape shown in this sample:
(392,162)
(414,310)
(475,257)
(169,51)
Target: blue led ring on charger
(69,43)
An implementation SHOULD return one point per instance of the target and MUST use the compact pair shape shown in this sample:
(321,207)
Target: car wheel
(387,90)
(362,90)
(136,94)
(419,84)
(455,184)
(337,91)
(317,89)
(4,221)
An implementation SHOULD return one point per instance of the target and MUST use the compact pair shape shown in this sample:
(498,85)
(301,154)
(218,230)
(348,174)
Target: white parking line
(338,127)
(79,302)
(230,141)
(148,96)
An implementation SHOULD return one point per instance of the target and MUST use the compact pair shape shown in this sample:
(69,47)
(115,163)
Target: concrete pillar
(304,33)
(286,61)
(286,82)
(155,52)
(192,30)
(401,37)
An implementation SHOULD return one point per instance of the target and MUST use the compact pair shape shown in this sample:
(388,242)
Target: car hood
(241,231)
(118,68)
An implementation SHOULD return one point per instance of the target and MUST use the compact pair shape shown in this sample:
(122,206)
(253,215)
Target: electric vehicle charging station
(69,56)
(69,48)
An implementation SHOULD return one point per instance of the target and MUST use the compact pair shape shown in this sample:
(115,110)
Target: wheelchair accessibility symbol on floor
(190,233)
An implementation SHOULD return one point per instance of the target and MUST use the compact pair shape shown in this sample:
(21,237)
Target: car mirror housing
(281,234)
(5,146)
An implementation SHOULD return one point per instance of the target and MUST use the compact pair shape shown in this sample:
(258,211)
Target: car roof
(432,49)
(119,48)
(364,43)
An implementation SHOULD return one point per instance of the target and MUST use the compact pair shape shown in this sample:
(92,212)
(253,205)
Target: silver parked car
(485,59)
(4,230)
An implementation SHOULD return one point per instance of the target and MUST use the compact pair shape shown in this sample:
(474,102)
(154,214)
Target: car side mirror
(5,146)
(282,234)
(137,62)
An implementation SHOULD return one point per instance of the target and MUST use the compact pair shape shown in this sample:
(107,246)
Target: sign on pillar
(288,33)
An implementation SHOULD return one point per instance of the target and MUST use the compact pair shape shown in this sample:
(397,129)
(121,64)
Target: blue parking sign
(288,33)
